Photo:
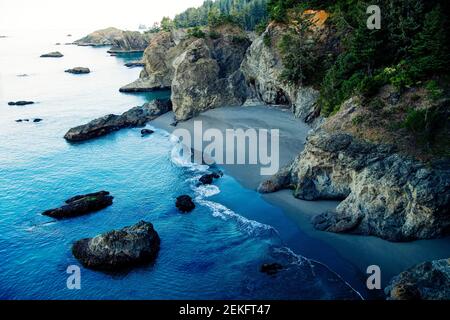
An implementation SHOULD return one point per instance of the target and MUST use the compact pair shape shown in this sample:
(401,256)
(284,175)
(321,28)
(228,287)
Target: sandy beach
(354,252)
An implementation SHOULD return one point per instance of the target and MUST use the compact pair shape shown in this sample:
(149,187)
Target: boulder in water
(185,204)
(55,54)
(78,70)
(119,249)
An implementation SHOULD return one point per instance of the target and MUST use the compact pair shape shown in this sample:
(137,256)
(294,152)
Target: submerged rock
(80,205)
(119,249)
(209,178)
(136,63)
(271,268)
(55,54)
(20,103)
(184,203)
(146,132)
(426,281)
(78,70)
(135,117)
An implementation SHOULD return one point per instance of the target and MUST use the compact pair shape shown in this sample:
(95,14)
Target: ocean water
(215,252)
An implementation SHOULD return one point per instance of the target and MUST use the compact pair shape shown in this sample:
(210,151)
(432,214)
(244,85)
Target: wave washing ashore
(214,252)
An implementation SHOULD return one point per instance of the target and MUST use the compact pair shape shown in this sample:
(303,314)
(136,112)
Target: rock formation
(130,41)
(426,281)
(119,249)
(55,54)
(102,37)
(135,117)
(78,70)
(262,68)
(80,205)
(20,103)
(185,204)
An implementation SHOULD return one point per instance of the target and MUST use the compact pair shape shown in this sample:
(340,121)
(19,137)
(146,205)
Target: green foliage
(196,32)
(267,39)
(434,91)
(248,13)
(421,122)
(167,24)
(299,58)
(214,34)
(261,27)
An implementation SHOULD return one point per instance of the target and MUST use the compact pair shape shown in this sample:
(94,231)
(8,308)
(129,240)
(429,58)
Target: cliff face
(384,193)
(262,68)
(207,75)
(130,41)
(203,73)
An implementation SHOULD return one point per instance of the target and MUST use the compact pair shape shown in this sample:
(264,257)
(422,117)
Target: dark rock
(22,75)
(119,249)
(146,132)
(55,54)
(185,204)
(102,37)
(37,120)
(78,70)
(426,281)
(133,64)
(82,204)
(19,103)
(209,178)
(279,181)
(271,268)
(69,35)
(135,117)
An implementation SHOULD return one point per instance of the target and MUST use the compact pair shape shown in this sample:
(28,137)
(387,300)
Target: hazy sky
(87,14)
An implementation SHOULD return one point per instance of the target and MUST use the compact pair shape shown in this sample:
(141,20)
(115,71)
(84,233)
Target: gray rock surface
(135,117)
(262,68)
(78,70)
(130,41)
(119,249)
(384,193)
(55,54)
(426,281)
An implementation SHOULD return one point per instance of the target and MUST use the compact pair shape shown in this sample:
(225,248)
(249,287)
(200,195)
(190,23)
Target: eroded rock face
(130,41)
(80,205)
(158,60)
(103,37)
(426,281)
(262,68)
(384,194)
(119,249)
(207,75)
(135,117)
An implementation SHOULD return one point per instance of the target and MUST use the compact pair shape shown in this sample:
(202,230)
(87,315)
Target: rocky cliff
(130,41)
(426,281)
(384,193)
(120,41)
(103,37)
(262,68)
(203,70)
(207,75)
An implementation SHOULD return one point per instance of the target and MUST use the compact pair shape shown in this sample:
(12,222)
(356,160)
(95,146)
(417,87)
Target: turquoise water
(212,253)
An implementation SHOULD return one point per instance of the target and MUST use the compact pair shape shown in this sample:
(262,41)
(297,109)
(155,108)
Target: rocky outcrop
(55,54)
(384,193)
(185,204)
(209,178)
(103,37)
(135,117)
(130,41)
(78,70)
(80,205)
(426,281)
(119,249)
(271,269)
(135,63)
(262,68)
(158,60)
(20,103)
(207,75)
(146,132)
